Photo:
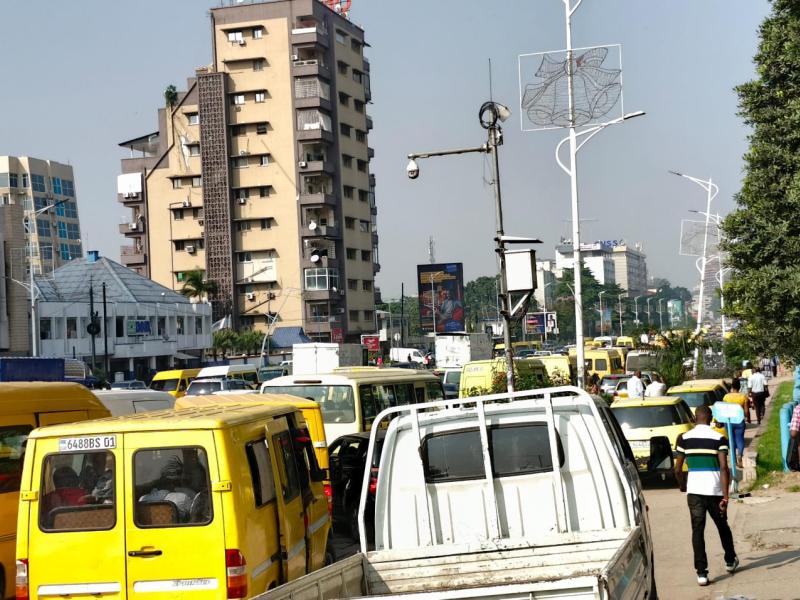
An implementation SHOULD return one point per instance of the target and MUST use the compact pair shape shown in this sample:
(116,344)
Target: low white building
(149,326)
(597,257)
(545,284)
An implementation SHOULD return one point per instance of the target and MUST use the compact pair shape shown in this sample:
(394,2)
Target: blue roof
(286,337)
(70,283)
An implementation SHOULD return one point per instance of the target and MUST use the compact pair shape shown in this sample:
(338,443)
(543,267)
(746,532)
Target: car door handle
(136,553)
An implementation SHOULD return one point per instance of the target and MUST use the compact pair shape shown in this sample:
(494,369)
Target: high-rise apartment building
(630,269)
(35,184)
(259,174)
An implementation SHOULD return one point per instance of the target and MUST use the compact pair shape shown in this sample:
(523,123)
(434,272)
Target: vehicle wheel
(2,584)
(653,595)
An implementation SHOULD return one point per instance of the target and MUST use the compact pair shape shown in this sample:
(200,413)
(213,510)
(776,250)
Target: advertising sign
(534,323)
(337,335)
(371,342)
(138,327)
(675,311)
(441,297)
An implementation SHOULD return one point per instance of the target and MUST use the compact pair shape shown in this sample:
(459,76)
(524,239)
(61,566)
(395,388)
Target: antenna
(431,250)
(491,98)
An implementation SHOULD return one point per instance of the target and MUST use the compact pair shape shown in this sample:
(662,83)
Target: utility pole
(106,366)
(620,313)
(92,329)
(431,250)
(402,315)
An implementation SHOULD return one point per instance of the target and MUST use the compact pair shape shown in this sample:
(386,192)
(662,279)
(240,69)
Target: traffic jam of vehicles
(328,479)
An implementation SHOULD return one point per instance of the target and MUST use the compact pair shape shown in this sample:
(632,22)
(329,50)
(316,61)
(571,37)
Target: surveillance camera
(412,169)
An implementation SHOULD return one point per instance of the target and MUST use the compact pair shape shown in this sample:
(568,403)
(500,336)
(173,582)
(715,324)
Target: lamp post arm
(483,149)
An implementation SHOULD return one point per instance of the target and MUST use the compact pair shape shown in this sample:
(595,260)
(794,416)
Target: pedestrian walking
(705,452)
(656,388)
(757,384)
(735,396)
(793,455)
(635,386)
(775,363)
(594,384)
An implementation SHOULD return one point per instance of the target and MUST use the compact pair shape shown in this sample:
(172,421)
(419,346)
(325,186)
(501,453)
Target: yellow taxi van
(23,407)
(478,376)
(603,361)
(174,381)
(216,500)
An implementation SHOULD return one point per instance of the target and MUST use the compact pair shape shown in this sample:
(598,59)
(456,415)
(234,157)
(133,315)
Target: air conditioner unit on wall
(242,200)
(302,164)
(190,248)
(250,296)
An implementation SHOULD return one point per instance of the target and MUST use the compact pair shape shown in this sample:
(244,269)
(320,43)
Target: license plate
(640,445)
(87,442)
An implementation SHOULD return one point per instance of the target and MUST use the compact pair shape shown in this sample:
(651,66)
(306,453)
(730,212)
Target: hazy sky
(80,77)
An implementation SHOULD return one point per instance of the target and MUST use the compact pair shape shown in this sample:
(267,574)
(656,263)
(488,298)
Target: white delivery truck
(456,350)
(486,498)
(324,358)
(406,355)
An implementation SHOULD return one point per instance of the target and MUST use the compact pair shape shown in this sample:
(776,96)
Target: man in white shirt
(635,386)
(757,384)
(656,389)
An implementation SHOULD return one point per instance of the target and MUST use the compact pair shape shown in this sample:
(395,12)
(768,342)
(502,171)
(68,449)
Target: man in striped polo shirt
(705,451)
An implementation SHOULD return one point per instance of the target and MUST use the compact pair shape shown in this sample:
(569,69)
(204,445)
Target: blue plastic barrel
(785,419)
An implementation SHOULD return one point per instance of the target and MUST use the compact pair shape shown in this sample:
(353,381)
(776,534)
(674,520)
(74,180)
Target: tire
(2,584)
(653,594)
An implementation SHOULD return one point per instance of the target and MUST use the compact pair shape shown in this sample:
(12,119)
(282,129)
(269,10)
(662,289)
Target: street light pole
(721,279)
(711,192)
(620,313)
(601,312)
(636,309)
(660,315)
(649,321)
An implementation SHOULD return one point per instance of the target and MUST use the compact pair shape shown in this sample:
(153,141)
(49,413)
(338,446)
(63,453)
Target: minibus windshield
(336,401)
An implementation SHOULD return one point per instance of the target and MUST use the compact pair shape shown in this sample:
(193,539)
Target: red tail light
(22,579)
(329,495)
(373,480)
(236,570)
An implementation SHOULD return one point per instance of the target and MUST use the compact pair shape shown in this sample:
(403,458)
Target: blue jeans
(738,438)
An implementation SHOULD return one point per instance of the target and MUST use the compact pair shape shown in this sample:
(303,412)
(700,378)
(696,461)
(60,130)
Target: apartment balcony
(132,257)
(309,68)
(133,228)
(318,324)
(328,231)
(316,166)
(323,262)
(369,123)
(374,239)
(310,35)
(370,153)
(313,102)
(317,199)
(318,295)
(366,66)
(314,135)
(130,199)
(137,164)
(376,268)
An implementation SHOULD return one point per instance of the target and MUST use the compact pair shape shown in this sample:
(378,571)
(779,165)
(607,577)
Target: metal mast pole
(703,262)
(402,315)
(105,334)
(620,313)
(649,321)
(31,227)
(601,313)
(576,221)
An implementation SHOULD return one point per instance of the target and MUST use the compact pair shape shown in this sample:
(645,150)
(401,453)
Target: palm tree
(195,285)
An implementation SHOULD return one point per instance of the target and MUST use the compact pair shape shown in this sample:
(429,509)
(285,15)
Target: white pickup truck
(469,505)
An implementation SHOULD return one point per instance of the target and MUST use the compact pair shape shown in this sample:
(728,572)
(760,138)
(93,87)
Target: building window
(352,284)
(43,227)
(369,315)
(361,136)
(347,161)
(69,186)
(344,99)
(241,193)
(193,118)
(351,253)
(13,181)
(363,195)
(179,245)
(243,225)
(47,252)
(264,160)
(355,45)
(344,129)
(194,149)
(197,213)
(353,314)
(179,326)
(349,222)
(238,130)
(38,183)
(358,76)
(266,223)
(261,96)
(258,64)
(62,230)
(238,99)
(366,285)
(55,183)
(25,180)
(321,278)
(359,106)
(71,210)
(73,231)
(342,67)
(197,181)
(177,183)
(235,36)
(363,226)
(64,251)
(366,256)
(362,166)
(258,33)
(340,37)
(244,257)
(261,128)
(348,191)
(240,162)
(72,328)
(177,215)
(264,191)
(75,250)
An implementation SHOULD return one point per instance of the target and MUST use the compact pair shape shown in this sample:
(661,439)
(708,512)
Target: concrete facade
(545,284)
(597,257)
(630,269)
(259,174)
(15,336)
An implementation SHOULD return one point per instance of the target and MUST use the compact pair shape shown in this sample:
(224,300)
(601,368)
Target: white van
(247,372)
(406,355)
(128,402)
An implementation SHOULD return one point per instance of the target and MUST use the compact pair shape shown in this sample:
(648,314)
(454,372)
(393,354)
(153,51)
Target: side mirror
(660,461)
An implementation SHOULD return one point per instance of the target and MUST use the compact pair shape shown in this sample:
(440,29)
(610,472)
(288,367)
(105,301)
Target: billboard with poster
(675,312)
(441,297)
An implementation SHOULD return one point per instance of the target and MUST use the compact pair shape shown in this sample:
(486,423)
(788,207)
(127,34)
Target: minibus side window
(182,386)
(171,487)
(287,465)
(434,390)
(600,364)
(368,408)
(12,452)
(420,393)
(261,471)
(405,393)
(77,492)
(384,396)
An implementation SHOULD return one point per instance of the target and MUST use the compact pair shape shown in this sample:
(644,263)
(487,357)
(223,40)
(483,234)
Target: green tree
(170,96)
(224,341)
(195,285)
(480,300)
(762,236)
(249,342)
